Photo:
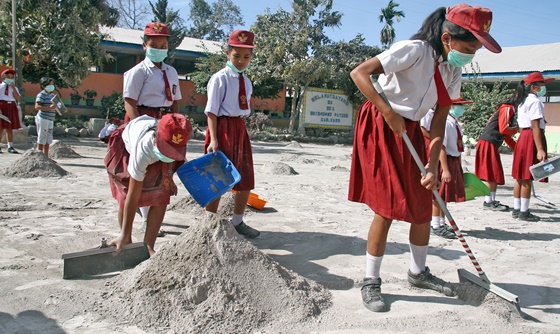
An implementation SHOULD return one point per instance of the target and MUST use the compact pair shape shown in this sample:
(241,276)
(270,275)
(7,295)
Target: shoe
(425,280)
(12,150)
(247,231)
(528,216)
(495,206)
(515,213)
(444,231)
(1,150)
(371,295)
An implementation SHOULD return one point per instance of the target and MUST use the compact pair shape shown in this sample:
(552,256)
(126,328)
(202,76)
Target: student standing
(44,120)
(229,98)
(488,164)
(9,97)
(531,144)
(414,74)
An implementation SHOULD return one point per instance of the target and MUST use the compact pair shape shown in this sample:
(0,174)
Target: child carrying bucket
(229,98)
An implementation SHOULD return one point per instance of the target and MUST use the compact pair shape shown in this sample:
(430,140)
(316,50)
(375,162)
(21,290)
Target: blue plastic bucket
(208,177)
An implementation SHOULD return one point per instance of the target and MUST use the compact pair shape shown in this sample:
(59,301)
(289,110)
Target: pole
(14,34)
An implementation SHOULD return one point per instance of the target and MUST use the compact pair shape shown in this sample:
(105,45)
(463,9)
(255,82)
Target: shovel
(4,117)
(464,276)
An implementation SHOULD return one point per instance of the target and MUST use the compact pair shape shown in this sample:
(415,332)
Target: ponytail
(522,92)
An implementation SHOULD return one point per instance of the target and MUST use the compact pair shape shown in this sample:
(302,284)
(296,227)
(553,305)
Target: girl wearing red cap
(531,144)
(140,161)
(488,164)
(229,98)
(451,172)
(9,97)
(415,75)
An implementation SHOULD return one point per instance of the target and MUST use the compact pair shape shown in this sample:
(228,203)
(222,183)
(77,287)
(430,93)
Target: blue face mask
(156,55)
(235,69)
(458,59)
(8,81)
(162,157)
(49,88)
(457,111)
(542,92)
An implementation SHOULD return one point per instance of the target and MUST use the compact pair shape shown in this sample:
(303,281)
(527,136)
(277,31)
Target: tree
(388,14)
(56,38)
(293,59)
(174,22)
(485,103)
(213,22)
(132,13)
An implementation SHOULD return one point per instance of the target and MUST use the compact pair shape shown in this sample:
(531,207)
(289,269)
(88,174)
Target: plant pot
(89,102)
(75,101)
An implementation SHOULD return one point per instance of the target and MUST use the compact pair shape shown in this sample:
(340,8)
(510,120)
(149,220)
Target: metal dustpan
(103,260)
(464,276)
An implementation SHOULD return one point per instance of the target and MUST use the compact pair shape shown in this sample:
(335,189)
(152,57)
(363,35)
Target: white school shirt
(408,79)
(107,130)
(144,83)
(10,96)
(139,138)
(223,94)
(451,137)
(426,121)
(530,110)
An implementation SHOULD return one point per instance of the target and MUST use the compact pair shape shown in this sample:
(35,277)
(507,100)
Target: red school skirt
(11,111)
(383,173)
(487,163)
(525,155)
(454,190)
(234,142)
(157,186)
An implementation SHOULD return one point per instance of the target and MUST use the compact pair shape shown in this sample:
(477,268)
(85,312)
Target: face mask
(49,88)
(156,55)
(458,59)
(8,81)
(162,157)
(230,65)
(542,91)
(457,111)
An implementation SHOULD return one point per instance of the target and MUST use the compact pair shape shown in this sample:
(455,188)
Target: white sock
(435,222)
(418,256)
(10,144)
(516,203)
(488,199)
(493,195)
(373,265)
(236,219)
(441,221)
(144,211)
(524,204)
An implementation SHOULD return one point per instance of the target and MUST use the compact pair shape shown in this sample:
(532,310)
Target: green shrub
(112,106)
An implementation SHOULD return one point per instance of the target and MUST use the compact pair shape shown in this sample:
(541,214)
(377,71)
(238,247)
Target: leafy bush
(112,106)
(258,121)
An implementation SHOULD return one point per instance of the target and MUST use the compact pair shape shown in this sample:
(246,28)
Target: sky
(515,22)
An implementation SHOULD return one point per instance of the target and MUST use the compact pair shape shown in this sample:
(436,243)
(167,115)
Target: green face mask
(49,88)
(230,65)
(457,111)
(8,81)
(458,59)
(156,55)
(162,157)
(542,92)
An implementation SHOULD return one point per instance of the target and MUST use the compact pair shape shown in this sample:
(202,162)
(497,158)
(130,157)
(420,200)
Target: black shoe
(247,231)
(495,206)
(515,213)
(444,231)
(528,216)
(425,280)
(371,295)
(12,150)
(1,151)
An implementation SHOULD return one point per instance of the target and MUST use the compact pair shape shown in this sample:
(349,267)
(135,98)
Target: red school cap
(241,39)
(8,71)
(156,29)
(536,77)
(477,20)
(172,134)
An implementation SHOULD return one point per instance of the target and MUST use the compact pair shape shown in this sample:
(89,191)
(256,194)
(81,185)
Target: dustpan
(255,200)
(474,187)
(208,177)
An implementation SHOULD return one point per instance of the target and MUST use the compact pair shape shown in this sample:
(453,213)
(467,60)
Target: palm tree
(388,14)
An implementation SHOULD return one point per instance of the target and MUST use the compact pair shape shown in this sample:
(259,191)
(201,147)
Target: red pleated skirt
(383,174)
(234,142)
(11,111)
(454,190)
(525,155)
(487,163)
